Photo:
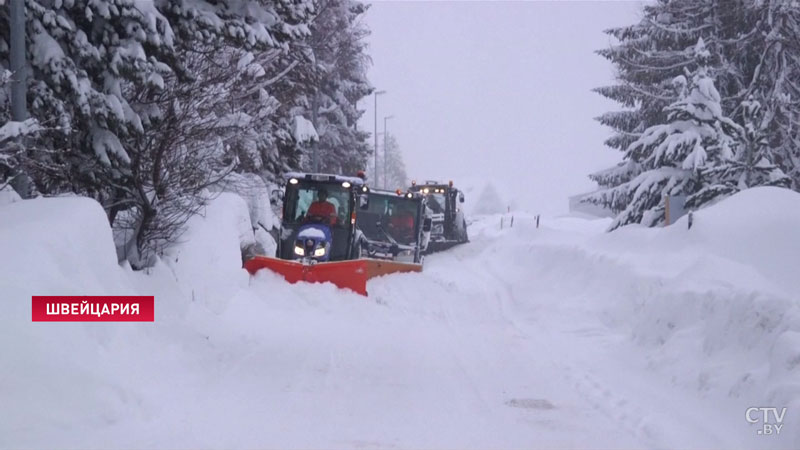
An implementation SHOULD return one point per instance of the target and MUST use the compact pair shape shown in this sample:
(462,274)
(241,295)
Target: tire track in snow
(631,408)
(512,337)
(619,409)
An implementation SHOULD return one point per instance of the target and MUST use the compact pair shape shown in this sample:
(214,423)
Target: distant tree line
(146,105)
(710,96)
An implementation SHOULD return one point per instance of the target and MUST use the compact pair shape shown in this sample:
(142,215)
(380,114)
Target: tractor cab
(449,224)
(396,226)
(319,216)
(319,241)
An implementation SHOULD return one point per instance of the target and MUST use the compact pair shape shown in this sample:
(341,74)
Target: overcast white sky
(497,90)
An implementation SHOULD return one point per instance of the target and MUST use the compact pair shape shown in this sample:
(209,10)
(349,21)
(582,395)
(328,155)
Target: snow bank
(56,246)
(208,261)
(105,384)
(49,243)
(715,307)
(757,227)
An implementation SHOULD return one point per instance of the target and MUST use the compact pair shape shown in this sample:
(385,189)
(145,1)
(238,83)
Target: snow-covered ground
(561,336)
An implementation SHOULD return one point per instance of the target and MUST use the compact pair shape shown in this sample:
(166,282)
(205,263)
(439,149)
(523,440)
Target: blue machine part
(313,242)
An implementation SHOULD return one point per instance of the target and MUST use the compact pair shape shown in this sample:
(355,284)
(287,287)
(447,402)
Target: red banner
(93,308)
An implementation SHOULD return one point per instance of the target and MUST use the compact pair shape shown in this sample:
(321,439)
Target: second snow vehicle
(318,240)
(449,224)
(396,226)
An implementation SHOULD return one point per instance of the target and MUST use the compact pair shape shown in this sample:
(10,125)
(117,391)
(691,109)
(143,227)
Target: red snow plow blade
(351,275)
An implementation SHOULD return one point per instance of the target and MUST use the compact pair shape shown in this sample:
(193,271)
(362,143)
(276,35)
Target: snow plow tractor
(449,225)
(396,226)
(318,240)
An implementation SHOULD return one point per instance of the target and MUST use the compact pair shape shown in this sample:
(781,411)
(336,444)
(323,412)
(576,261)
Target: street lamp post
(377,93)
(17,59)
(385,151)
(21,182)
(315,143)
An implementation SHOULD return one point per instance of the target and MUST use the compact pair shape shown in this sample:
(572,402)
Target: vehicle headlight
(299,251)
(320,251)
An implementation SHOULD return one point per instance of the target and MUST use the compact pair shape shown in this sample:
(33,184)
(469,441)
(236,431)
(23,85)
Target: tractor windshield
(333,202)
(437,202)
(390,216)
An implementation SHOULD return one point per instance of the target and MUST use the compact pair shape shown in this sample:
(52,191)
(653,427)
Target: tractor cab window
(437,202)
(402,221)
(300,198)
(389,218)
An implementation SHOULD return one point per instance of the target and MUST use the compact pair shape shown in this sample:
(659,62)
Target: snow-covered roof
(355,181)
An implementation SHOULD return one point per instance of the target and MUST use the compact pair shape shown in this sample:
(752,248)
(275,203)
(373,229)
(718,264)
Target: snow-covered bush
(257,194)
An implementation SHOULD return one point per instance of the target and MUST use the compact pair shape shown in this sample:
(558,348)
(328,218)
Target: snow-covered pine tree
(338,43)
(82,55)
(752,165)
(773,92)
(319,78)
(16,155)
(755,58)
(648,56)
(608,179)
(145,103)
(269,39)
(201,116)
(677,157)
(326,79)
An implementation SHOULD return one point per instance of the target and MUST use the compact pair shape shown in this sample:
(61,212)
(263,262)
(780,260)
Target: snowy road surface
(524,338)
